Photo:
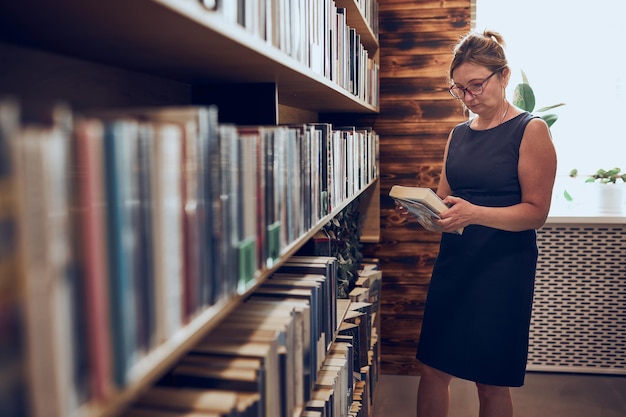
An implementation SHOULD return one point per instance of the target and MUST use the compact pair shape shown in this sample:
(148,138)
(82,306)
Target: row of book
(285,352)
(316,33)
(369,9)
(120,227)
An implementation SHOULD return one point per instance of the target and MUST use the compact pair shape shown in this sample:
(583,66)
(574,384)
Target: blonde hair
(486,49)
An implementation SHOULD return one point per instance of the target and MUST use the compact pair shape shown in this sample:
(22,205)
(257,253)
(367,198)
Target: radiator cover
(579,312)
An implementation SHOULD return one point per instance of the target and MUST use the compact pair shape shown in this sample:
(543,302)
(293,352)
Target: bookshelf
(161,359)
(178,40)
(157,52)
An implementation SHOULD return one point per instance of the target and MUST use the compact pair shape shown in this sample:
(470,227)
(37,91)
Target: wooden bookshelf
(370,208)
(174,39)
(153,366)
(163,48)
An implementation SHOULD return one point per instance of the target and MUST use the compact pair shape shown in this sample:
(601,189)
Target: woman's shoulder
(523,118)
(462,125)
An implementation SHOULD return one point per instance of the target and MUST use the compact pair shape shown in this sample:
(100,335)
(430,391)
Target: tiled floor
(543,395)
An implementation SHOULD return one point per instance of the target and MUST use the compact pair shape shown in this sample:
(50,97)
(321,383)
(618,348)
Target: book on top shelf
(423,203)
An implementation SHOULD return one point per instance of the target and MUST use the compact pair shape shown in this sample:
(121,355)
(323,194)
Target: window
(575,55)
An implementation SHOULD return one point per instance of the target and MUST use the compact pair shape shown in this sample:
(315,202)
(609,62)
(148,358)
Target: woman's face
(474,76)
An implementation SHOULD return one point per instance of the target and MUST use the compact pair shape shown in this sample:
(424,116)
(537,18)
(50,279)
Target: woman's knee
(434,374)
(491,391)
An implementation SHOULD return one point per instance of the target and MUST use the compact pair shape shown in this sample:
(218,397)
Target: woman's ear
(506,76)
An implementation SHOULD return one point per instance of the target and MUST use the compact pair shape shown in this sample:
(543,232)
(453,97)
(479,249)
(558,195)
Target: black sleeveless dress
(477,314)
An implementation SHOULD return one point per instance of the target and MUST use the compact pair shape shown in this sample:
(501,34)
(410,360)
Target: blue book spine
(119,140)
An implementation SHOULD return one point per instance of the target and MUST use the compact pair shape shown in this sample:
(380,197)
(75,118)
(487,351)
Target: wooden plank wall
(417,113)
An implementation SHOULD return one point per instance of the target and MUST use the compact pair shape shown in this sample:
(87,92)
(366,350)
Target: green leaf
(613,172)
(550,118)
(551,107)
(524,97)
(524,78)
(567,196)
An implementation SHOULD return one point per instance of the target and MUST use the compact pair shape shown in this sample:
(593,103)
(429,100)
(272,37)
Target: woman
(497,179)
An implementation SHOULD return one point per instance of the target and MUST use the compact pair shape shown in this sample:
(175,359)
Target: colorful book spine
(120,151)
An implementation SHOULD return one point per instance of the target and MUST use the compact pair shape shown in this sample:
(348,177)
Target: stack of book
(270,355)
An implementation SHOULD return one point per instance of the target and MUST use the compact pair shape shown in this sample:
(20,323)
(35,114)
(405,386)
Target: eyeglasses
(474,89)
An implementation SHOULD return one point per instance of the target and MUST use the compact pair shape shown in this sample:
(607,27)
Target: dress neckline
(469,123)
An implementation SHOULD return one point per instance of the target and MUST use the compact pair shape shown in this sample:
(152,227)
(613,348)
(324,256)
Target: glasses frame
(480,84)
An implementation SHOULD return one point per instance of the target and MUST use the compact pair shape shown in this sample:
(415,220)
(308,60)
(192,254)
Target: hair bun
(494,36)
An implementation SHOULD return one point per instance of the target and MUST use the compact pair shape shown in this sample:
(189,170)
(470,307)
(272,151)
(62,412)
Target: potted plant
(611,191)
(524,98)
(603,176)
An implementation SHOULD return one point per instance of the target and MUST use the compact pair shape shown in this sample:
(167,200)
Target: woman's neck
(499,116)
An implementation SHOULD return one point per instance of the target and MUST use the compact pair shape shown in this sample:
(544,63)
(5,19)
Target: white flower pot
(611,198)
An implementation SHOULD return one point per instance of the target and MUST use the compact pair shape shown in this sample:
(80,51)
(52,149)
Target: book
(141,212)
(246,149)
(423,203)
(272,199)
(267,322)
(120,150)
(302,309)
(41,152)
(188,399)
(88,177)
(314,342)
(322,265)
(151,412)
(269,374)
(167,207)
(14,390)
(202,203)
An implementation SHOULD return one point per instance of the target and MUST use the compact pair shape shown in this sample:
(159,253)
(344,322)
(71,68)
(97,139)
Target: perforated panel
(579,312)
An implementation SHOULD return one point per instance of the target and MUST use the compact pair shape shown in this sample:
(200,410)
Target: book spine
(204,292)
(167,230)
(13,361)
(120,148)
(141,214)
(91,226)
(44,240)
(214,184)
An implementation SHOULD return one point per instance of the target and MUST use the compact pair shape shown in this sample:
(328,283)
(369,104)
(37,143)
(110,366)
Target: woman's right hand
(403,211)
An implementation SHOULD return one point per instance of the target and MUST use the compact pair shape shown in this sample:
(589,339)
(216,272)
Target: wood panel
(416,115)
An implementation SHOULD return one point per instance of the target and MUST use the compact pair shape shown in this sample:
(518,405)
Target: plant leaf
(524,97)
(524,78)
(567,196)
(551,107)
(550,118)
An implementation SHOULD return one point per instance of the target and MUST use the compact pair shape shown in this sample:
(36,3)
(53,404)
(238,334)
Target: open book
(423,203)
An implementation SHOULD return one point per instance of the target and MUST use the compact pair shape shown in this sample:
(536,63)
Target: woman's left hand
(460,214)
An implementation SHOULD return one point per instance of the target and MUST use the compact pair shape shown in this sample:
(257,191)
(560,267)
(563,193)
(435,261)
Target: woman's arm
(443,188)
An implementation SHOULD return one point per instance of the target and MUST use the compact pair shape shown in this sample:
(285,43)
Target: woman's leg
(433,393)
(495,401)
